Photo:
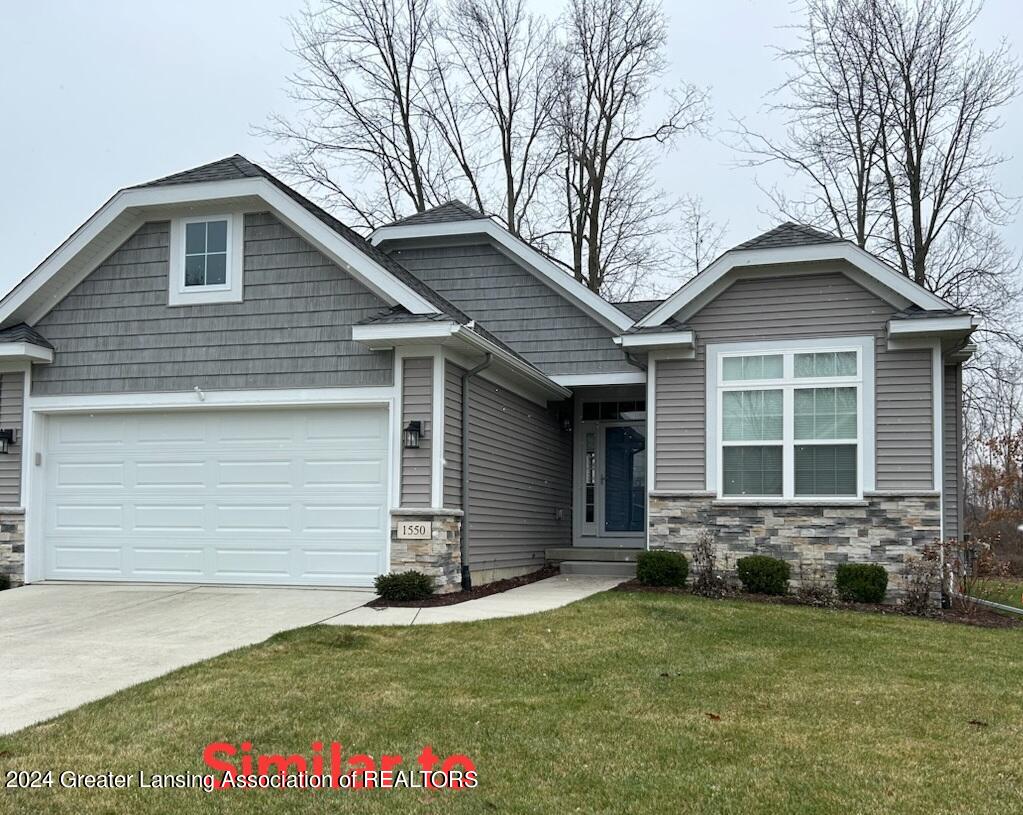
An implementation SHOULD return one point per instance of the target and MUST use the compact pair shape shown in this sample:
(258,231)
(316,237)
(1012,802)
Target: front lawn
(623,702)
(1005,590)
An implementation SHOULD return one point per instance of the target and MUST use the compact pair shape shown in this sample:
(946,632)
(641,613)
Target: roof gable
(530,258)
(786,250)
(232,179)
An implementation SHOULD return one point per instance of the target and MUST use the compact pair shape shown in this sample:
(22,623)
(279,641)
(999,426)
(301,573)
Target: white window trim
(178,294)
(864,346)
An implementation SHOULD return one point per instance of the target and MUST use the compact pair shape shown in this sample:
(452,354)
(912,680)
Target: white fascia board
(388,335)
(25,351)
(380,337)
(595,305)
(930,325)
(614,378)
(668,339)
(742,258)
(361,266)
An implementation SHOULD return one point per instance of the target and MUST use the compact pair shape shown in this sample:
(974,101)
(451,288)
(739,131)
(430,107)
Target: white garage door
(282,496)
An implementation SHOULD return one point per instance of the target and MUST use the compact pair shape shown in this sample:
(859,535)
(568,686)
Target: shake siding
(416,404)
(520,477)
(115,332)
(12,402)
(952,447)
(452,436)
(517,307)
(820,305)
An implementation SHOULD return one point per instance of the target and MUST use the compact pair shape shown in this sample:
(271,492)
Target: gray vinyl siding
(829,304)
(452,436)
(520,479)
(12,404)
(417,404)
(952,450)
(115,332)
(515,306)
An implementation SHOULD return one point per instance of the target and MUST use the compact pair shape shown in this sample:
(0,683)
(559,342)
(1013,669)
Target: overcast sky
(101,95)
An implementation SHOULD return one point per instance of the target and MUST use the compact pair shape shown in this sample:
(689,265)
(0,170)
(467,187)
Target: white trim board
(867,407)
(588,380)
(122,214)
(744,258)
(606,313)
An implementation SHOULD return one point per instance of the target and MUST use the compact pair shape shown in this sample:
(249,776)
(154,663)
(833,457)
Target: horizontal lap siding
(798,307)
(12,403)
(452,436)
(520,478)
(115,332)
(417,405)
(515,306)
(952,445)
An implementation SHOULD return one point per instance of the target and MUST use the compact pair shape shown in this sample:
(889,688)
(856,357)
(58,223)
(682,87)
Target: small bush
(814,587)
(763,575)
(658,568)
(861,582)
(5,582)
(404,587)
(706,580)
(922,577)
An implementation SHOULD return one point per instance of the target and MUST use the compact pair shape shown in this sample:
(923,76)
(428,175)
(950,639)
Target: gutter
(463,547)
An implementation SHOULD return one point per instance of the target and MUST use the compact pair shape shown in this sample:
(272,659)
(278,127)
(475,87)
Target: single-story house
(213,380)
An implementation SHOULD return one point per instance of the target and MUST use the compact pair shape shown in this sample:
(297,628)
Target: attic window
(206,253)
(206,260)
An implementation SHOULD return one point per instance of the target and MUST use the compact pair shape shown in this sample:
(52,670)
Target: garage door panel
(264,496)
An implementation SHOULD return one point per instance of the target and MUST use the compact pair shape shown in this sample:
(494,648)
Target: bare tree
(364,142)
(700,237)
(889,108)
(613,212)
(496,91)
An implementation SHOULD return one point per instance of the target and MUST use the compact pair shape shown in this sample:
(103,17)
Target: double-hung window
(790,423)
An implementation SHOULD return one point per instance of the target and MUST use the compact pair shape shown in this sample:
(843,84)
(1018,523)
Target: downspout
(464,539)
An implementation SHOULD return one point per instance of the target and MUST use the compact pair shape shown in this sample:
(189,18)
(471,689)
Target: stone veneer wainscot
(883,528)
(12,544)
(439,557)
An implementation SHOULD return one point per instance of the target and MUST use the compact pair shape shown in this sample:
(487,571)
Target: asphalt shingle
(789,234)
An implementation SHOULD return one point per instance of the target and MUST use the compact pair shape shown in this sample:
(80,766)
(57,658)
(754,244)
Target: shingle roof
(237,167)
(24,333)
(401,315)
(789,234)
(453,210)
(634,309)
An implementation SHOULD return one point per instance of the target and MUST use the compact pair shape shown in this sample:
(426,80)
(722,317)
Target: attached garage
(283,496)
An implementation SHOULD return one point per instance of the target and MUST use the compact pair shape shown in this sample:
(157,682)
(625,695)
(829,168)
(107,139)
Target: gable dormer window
(206,260)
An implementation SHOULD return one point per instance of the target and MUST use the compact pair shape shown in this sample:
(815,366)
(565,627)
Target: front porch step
(593,553)
(601,568)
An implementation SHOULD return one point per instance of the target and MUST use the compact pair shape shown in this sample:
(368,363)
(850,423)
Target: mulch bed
(455,597)
(982,617)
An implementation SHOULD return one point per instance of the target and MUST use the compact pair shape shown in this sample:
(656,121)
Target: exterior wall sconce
(411,434)
(8,436)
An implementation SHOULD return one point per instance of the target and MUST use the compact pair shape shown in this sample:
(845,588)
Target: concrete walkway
(543,595)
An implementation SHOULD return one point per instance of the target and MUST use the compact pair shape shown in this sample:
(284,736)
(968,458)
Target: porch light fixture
(8,436)
(413,430)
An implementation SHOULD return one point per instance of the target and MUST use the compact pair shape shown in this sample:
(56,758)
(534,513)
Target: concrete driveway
(66,644)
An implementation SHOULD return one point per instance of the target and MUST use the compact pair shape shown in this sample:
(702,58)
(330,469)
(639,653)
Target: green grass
(1006,590)
(598,707)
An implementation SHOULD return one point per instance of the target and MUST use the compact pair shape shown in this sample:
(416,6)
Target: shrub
(658,568)
(814,587)
(922,576)
(706,581)
(404,587)
(5,582)
(763,575)
(861,582)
